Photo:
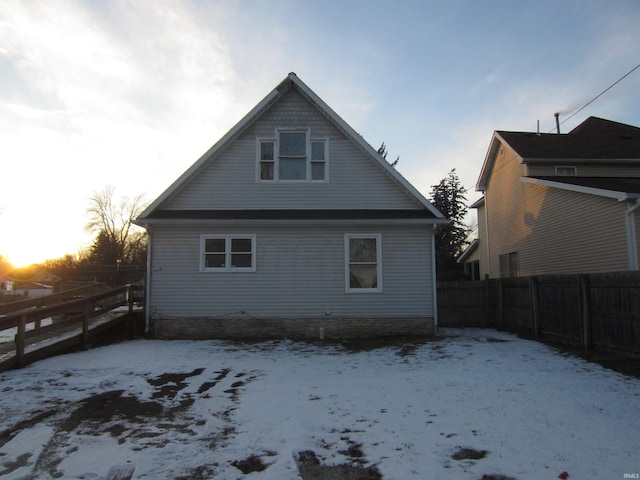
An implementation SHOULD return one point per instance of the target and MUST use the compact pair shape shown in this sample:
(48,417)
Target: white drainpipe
(147,296)
(434,279)
(632,244)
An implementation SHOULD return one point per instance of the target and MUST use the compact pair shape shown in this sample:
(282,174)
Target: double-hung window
(363,263)
(509,265)
(228,253)
(292,156)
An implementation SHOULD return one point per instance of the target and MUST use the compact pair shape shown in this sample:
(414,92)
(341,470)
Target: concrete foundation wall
(307,328)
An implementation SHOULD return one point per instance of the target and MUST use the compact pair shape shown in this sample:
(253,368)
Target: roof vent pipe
(557,115)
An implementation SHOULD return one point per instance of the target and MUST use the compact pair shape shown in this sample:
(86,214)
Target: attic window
(566,171)
(292,157)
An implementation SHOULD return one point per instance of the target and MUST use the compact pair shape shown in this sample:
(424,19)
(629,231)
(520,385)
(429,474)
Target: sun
(22,252)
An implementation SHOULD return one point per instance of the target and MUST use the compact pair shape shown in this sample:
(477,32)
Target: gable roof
(291,81)
(595,140)
(472,247)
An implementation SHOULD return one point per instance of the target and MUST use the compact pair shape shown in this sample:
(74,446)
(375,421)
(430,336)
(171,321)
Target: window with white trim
(292,156)
(363,263)
(509,265)
(227,253)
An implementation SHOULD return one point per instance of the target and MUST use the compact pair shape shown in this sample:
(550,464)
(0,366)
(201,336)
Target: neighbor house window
(292,156)
(566,171)
(363,263)
(509,265)
(228,253)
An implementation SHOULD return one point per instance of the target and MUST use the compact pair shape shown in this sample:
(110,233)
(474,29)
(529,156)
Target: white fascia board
(620,196)
(582,161)
(489,161)
(364,145)
(432,222)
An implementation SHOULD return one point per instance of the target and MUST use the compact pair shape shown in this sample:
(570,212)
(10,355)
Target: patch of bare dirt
(253,463)
(469,454)
(311,468)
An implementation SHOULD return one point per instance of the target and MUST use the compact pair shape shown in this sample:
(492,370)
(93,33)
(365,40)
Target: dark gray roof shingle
(595,138)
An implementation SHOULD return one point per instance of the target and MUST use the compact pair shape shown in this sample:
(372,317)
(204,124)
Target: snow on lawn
(189,409)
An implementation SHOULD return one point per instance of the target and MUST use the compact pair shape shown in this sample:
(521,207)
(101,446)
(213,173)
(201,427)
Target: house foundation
(294,328)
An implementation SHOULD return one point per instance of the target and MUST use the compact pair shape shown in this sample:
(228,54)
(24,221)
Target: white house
(291,225)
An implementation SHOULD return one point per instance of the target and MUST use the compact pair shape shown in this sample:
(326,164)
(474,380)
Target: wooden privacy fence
(594,310)
(76,312)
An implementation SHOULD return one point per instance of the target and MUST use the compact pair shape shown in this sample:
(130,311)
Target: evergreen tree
(449,197)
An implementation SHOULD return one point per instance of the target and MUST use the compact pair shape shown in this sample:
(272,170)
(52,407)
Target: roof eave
(600,192)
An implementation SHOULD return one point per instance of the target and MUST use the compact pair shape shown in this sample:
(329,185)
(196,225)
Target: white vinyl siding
(300,272)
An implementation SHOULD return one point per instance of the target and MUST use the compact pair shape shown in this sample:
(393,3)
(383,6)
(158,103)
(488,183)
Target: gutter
(632,243)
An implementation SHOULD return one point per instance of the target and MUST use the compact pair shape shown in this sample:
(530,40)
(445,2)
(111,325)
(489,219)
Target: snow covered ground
(187,409)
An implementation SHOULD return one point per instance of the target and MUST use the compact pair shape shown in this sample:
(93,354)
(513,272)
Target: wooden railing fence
(594,310)
(79,310)
(54,299)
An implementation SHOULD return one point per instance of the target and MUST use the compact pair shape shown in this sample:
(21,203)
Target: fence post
(130,298)
(585,311)
(500,304)
(487,309)
(20,340)
(85,325)
(130,323)
(535,312)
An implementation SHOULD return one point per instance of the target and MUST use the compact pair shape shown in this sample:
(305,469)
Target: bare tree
(117,240)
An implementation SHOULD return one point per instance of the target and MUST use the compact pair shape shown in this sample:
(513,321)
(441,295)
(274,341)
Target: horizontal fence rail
(54,299)
(589,311)
(76,311)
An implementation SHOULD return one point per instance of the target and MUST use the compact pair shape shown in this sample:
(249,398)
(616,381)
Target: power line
(601,93)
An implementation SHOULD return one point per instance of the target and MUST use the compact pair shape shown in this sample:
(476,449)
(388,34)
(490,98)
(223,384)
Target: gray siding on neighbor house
(230,180)
(573,233)
(300,272)
(584,170)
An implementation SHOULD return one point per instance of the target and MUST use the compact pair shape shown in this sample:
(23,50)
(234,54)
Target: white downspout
(434,280)
(147,292)
(632,243)
(486,235)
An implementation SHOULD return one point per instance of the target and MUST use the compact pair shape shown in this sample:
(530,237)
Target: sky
(130,94)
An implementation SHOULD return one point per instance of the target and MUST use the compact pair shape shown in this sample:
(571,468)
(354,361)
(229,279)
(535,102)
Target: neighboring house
(27,285)
(6,285)
(291,226)
(470,257)
(560,203)
(47,278)
(28,289)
